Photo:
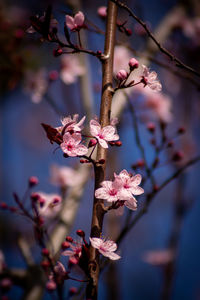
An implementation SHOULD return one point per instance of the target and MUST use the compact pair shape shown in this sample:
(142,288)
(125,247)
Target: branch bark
(105,111)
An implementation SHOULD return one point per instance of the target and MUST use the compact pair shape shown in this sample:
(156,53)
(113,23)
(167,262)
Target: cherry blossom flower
(158,104)
(48,205)
(150,79)
(106,248)
(159,257)
(72,145)
(102,11)
(71,68)
(75,23)
(121,58)
(121,75)
(71,124)
(103,135)
(65,176)
(112,191)
(130,183)
(36,84)
(133,63)
(75,252)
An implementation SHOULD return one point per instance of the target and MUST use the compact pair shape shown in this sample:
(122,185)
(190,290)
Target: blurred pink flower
(150,79)
(130,183)
(121,58)
(75,252)
(72,145)
(70,68)
(65,176)
(159,104)
(103,135)
(111,191)
(102,11)
(48,205)
(159,257)
(75,23)
(106,248)
(71,123)
(36,84)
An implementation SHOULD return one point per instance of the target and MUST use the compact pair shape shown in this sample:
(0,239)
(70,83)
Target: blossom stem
(105,110)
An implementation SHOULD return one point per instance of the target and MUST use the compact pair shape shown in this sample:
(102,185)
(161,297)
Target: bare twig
(173,58)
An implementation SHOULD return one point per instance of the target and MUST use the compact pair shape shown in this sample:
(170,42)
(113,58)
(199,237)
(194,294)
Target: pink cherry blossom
(72,145)
(48,205)
(102,11)
(103,135)
(121,58)
(75,23)
(36,84)
(133,63)
(130,183)
(112,191)
(71,68)
(71,123)
(75,252)
(150,79)
(65,176)
(106,248)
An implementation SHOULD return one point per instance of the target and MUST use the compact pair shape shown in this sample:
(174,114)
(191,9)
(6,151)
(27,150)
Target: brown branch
(105,111)
(173,58)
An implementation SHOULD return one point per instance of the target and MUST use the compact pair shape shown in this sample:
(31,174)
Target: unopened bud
(65,245)
(69,239)
(80,233)
(122,75)
(53,75)
(35,196)
(57,52)
(133,63)
(3,205)
(118,143)
(128,31)
(151,127)
(51,285)
(33,181)
(178,156)
(45,264)
(102,12)
(181,130)
(45,252)
(72,291)
(92,143)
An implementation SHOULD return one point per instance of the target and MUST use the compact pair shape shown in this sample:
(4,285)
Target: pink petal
(113,256)
(108,132)
(131,204)
(137,190)
(95,128)
(96,242)
(70,22)
(79,18)
(103,143)
(81,150)
(136,180)
(101,193)
(68,253)
(110,245)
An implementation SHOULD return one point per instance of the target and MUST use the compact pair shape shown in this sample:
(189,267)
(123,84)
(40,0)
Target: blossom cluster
(121,190)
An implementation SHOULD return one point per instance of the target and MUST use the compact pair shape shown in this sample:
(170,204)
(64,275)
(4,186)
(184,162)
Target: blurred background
(38,87)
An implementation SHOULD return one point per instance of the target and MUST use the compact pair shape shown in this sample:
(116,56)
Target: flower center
(113,192)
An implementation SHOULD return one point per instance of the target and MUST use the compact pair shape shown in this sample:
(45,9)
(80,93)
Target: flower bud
(51,285)
(53,75)
(72,291)
(133,63)
(151,127)
(178,156)
(57,52)
(118,143)
(69,239)
(80,233)
(92,143)
(45,252)
(33,181)
(122,75)
(45,264)
(3,205)
(102,12)
(128,31)
(65,245)
(181,130)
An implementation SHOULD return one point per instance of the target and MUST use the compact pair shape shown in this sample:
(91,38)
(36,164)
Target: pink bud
(92,143)
(53,75)
(73,261)
(69,239)
(151,127)
(33,181)
(80,233)
(45,252)
(128,31)
(65,245)
(102,11)
(51,285)
(57,52)
(122,75)
(72,291)
(133,63)
(178,156)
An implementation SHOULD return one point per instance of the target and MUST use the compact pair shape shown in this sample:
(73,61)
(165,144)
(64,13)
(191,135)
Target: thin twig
(173,58)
